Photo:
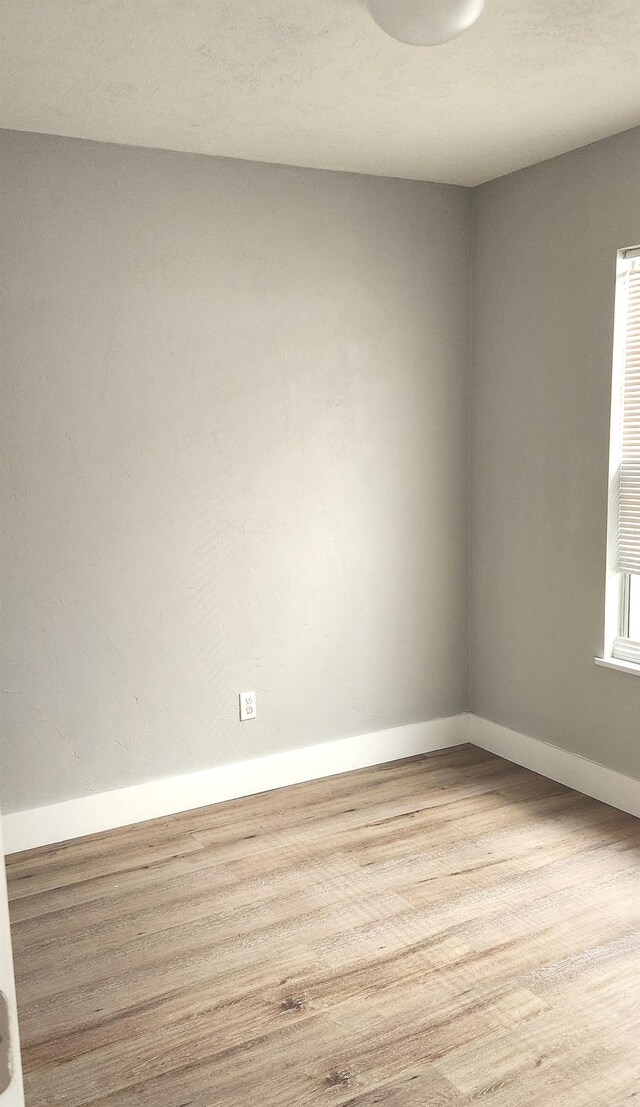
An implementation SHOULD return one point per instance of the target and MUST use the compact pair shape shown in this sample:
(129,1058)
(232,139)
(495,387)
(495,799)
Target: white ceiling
(316,83)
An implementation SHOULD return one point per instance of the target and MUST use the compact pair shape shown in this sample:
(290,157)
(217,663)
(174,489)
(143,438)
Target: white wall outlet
(247,706)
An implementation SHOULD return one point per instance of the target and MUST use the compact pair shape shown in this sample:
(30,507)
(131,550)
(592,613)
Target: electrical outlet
(247,706)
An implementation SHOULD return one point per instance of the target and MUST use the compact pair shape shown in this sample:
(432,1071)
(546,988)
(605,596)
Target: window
(622,631)
(634,607)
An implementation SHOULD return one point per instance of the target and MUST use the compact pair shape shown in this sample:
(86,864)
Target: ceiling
(316,83)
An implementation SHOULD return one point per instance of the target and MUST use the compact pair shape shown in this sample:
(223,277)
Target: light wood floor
(445,931)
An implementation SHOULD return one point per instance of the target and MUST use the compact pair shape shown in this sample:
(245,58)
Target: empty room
(320,553)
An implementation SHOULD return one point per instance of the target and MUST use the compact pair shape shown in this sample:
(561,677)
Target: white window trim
(620,652)
(619,666)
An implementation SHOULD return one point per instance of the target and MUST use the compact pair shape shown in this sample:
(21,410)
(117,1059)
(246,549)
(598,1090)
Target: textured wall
(234,407)
(546,242)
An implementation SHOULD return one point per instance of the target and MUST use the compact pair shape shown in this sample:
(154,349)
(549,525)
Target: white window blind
(629,493)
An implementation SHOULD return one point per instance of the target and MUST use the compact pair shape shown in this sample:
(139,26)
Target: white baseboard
(74,818)
(42,826)
(567,768)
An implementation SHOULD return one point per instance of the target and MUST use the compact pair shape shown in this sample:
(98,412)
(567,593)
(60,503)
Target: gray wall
(545,248)
(234,411)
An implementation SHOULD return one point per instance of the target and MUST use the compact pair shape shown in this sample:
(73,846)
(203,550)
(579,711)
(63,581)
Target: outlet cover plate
(247,706)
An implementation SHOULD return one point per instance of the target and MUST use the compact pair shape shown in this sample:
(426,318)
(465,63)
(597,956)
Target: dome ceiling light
(425,22)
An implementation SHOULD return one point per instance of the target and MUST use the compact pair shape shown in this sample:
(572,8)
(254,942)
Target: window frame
(625,648)
(620,651)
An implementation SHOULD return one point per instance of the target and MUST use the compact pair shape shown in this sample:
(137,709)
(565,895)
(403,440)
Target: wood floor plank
(431,933)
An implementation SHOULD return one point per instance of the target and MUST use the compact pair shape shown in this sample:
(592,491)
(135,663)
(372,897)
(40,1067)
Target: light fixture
(425,22)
